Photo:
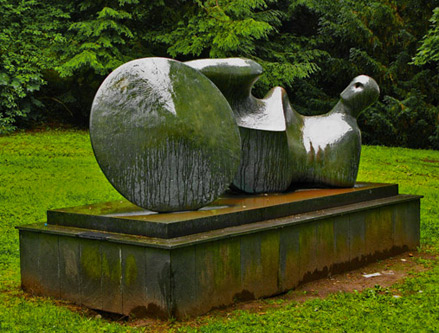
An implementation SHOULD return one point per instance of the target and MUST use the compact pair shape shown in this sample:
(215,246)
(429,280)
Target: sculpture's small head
(359,94)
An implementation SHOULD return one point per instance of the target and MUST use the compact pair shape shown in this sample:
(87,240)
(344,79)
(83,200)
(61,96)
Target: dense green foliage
(54,55)
(429,50)
(28,29)
(40,171)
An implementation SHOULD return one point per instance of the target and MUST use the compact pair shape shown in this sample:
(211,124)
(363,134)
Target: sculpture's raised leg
(266,164)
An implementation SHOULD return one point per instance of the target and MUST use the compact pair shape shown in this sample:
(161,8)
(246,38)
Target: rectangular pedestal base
(191,274)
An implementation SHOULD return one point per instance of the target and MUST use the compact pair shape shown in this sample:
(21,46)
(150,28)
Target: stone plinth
(120,258)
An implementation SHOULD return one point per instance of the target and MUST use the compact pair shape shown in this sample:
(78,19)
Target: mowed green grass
(55,169)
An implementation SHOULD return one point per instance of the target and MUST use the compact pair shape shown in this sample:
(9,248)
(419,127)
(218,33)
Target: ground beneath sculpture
(392,271)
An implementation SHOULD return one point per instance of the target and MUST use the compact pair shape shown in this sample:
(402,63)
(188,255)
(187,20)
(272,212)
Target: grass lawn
(55,169)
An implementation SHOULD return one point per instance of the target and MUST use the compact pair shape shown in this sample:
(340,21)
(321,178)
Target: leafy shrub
(429,49)
(27,30)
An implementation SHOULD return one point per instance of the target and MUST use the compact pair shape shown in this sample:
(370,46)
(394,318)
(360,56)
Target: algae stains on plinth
(91,261)
(131,270)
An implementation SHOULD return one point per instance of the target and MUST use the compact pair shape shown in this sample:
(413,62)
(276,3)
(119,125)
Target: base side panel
(143,279)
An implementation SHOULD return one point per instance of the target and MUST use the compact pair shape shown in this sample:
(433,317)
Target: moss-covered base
(189,275)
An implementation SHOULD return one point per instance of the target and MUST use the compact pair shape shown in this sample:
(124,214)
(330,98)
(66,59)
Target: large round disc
(164,135)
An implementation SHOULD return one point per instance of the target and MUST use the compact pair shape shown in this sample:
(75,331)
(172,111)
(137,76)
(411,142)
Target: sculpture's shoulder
(234,67)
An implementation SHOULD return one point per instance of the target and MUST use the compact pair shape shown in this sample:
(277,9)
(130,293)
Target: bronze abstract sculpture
(282,148)
(167,138)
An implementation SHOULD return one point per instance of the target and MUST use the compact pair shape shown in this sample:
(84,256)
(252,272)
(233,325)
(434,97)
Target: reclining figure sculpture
(170,139)
(280,147)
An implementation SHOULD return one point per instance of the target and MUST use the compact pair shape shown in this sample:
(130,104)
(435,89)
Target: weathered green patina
(164,135)
(131,270)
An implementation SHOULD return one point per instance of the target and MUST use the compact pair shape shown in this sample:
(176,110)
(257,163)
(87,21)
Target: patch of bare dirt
(391,271)
(429,161)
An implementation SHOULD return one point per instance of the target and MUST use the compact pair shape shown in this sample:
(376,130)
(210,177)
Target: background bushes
(54,55)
